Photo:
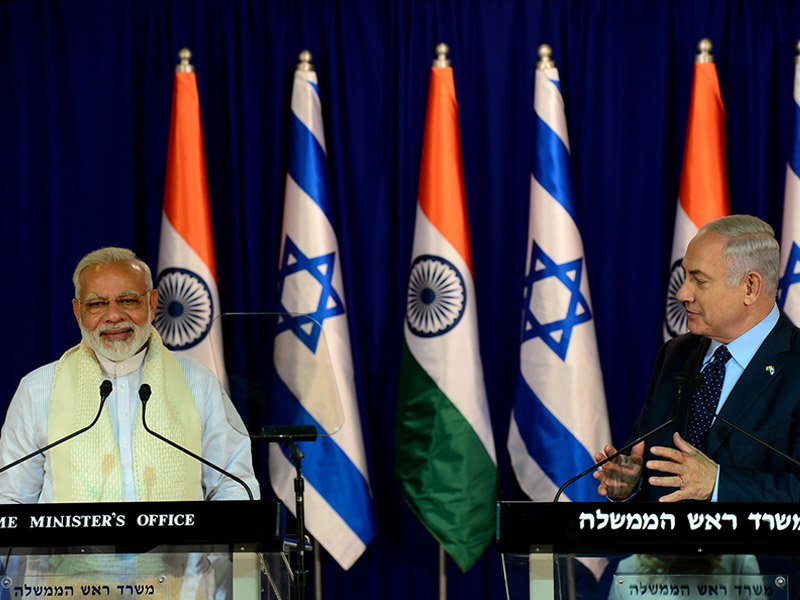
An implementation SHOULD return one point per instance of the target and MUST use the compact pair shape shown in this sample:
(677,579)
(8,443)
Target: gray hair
(751,247)
(110,256)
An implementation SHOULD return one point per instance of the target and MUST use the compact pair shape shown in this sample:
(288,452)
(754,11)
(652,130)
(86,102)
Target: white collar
(122,368)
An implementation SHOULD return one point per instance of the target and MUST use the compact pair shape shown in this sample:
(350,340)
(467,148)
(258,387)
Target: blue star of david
(789,276)
(569,274)
(308,327)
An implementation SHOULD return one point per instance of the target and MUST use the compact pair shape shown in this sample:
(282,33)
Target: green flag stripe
(444,471)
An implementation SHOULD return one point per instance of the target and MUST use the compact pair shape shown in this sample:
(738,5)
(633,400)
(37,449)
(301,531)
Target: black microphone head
(105,388)
(145,392)
(699,381)
(679,381)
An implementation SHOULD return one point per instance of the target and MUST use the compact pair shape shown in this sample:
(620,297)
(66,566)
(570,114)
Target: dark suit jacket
(767,405)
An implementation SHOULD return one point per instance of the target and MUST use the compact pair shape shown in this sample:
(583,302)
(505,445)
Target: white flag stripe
(791,226)
(685,230)
(316,390)
(173,251)
(463,385)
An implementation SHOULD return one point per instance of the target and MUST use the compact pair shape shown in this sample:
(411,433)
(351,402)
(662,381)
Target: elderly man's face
(713,308)
(117,329)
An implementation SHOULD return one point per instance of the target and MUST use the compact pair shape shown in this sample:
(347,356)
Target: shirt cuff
(716,487)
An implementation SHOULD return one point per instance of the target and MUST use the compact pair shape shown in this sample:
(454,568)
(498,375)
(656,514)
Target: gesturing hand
(693,473)
(620,477)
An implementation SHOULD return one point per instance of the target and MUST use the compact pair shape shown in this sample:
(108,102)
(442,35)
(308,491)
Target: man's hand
(620,477)
(693,473)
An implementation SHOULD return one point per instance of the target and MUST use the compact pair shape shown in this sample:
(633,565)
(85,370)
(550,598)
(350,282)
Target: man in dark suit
(749,354)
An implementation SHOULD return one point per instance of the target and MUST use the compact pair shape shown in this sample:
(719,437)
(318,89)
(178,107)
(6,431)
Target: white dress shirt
(223,437)
(742,350)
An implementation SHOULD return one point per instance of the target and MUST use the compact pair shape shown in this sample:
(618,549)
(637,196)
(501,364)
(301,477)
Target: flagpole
(441,60)
(317,571)
(442,569)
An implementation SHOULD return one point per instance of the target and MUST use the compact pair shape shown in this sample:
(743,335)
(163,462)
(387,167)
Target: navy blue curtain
(85,90)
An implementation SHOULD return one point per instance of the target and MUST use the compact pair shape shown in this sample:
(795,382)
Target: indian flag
(188,299)
(703,192)
(445,456)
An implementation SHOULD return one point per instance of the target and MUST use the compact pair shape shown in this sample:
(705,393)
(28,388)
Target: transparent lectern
(285,383)
(164,550)
(649,551)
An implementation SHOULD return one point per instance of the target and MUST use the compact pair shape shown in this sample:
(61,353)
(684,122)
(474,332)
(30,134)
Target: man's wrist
(635,491)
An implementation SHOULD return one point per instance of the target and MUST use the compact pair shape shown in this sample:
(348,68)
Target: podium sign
(153,550)
(617,551)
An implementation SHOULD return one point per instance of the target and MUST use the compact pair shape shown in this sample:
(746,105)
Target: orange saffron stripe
(704,177)
(186,200)
(441,179)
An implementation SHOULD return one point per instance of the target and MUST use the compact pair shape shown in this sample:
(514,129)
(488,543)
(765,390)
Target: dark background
(85,92)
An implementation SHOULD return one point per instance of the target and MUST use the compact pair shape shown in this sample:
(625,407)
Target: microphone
(105,392)
(679,381)
(144,395)
(699,381)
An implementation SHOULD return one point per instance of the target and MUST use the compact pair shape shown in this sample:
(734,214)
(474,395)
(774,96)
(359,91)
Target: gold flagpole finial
(704,56)
(305,61)
(545,53)
(185,55)
(441,60)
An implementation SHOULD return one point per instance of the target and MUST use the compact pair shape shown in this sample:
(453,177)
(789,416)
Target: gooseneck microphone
(679,381)
(144,395)
(105,392)
(699,381)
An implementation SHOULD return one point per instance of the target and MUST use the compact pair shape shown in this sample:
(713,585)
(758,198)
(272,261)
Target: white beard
(117,350)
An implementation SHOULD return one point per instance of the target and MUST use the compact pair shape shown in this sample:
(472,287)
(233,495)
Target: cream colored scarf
(88,468)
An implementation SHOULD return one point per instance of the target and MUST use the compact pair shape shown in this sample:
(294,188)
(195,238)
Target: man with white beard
(117,460)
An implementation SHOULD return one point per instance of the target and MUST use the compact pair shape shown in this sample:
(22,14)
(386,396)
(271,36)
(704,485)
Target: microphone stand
(288,436)
(144,395)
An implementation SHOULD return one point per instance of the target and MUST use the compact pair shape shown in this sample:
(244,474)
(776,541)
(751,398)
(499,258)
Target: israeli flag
(559,416)
(339,507)
(788,292)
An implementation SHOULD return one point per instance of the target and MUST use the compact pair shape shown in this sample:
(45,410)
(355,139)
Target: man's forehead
(112,273)
(705,253)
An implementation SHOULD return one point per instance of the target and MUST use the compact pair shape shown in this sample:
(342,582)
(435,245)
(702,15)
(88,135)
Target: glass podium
(649,551)
(158,550)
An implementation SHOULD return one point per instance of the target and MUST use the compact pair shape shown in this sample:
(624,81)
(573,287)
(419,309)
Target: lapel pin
(770,369)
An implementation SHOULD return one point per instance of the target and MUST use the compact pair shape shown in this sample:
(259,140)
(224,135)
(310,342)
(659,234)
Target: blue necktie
(699,417)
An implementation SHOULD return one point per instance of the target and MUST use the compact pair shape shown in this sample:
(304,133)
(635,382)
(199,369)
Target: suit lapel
(752,383)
